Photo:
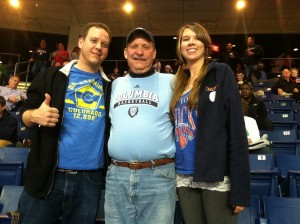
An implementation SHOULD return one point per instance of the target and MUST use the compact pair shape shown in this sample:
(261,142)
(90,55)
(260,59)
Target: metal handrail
(25,72)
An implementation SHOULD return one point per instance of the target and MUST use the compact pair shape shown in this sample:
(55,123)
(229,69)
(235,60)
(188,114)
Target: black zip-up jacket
(8,127)
(222,147)
(43,156)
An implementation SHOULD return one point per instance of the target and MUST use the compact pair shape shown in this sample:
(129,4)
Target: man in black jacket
(67,110)
(8,125)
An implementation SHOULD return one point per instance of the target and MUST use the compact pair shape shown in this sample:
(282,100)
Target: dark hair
(97,25)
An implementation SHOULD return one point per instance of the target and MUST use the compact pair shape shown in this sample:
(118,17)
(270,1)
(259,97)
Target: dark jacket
(222,147)
(8,127)
(257,110)
(43,156)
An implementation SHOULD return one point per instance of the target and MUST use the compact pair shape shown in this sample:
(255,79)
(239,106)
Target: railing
(27,71)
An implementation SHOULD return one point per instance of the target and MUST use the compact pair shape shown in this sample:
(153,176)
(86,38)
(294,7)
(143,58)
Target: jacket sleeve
(239,170)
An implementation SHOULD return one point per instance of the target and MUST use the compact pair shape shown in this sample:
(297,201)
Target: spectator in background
(3,74)
(115,74)
(240,78)
(252,56)
(157,65)
(256,107)
(14,97)
(294,75)
(41,58)
(277,65)
(285,86)
(168,69)
(8,125)
(61,56)
(75,53)
(260,74)
(231,58)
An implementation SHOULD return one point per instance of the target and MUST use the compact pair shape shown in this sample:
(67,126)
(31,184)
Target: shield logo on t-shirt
(133,111)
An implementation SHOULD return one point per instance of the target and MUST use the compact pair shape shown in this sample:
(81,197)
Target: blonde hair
(182,76)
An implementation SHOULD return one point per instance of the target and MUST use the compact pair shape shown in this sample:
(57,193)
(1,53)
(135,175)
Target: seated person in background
(240,78)
(294,75)
(8,125)
(255,107)
(252,131)
(115,74)
(284,86)
(260,73)
(168,69)
(14,97)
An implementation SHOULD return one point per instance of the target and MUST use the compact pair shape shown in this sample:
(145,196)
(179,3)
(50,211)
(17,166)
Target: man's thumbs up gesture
(44,115)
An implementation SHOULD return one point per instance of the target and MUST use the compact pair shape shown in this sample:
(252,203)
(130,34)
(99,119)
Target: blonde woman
(213,179)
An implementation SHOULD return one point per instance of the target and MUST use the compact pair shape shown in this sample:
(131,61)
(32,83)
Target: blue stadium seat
(264,176)
(283,120)
(252,214)
(289,167)
(261,162)
(280,136)
(9,198)
(282,210)
(296,107)
(278,98)
(11,173)
(283,142)
(14,154)
(294,183)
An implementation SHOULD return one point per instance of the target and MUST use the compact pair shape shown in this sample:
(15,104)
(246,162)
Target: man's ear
(125,53)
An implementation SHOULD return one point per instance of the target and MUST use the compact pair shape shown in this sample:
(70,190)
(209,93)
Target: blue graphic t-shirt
(185,133)
(81,137)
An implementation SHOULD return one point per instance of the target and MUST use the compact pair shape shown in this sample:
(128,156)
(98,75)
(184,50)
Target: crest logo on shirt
(87,97)
(133,111)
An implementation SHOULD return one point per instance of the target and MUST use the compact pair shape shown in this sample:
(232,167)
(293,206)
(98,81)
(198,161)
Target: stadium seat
(278,98)
(14,154)
(261,162)
(9,198)
(289,167)
(11,173)
(294,183)
(282,210)
(251,214)
(264,176)
(283,142)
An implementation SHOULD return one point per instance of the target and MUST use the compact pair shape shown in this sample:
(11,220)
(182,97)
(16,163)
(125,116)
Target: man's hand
(45,115)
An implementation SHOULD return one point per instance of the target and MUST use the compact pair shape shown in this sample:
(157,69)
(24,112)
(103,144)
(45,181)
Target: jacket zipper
(62,119)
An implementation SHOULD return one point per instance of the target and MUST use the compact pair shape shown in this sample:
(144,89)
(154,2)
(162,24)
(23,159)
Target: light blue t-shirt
(81,137)
(185,133)
(141,127)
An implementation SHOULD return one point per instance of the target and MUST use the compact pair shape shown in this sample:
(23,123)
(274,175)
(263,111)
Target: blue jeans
(74,197)
(38,66)
(140,196)
(248,71)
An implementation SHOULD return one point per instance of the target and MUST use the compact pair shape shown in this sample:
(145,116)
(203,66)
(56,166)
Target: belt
(65,171)
(142,165)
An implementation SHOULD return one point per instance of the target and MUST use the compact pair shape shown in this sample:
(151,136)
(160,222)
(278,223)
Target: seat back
(11,173)
(9,198)
(286,163)
(279,210)
(14,154)
(261,162)
(281,135)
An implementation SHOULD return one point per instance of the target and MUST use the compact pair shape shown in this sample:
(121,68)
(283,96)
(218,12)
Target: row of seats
(276,211)
(277,175)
